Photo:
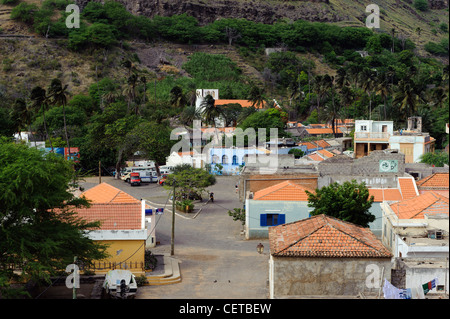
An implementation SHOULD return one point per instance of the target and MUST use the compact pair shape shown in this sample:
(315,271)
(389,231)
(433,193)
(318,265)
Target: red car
(162,180)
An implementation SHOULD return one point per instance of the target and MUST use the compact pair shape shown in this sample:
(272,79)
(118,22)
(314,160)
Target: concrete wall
(425,271)
(291,276)
(365,169)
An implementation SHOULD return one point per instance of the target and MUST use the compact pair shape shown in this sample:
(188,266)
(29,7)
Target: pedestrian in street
(237,188)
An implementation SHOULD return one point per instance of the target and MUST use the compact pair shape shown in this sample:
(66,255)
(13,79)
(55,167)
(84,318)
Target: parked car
(120,284)
(163,179)
(135,179)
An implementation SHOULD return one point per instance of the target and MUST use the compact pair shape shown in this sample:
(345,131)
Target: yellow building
(123,228)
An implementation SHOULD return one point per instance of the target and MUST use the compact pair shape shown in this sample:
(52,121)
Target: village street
(217,262)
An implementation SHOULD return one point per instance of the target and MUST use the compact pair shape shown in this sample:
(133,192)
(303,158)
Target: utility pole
(173,221)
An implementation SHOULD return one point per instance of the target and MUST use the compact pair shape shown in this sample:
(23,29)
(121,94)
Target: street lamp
(260,248)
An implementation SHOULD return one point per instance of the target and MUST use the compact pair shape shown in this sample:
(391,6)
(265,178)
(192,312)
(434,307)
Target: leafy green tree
(348,202)
(297,152)
(39,232)
(118,136)
(270,118)
(438,158)
(238,214)
(153,140)
(190,181)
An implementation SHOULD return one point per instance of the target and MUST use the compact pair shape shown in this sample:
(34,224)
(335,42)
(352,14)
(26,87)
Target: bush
(9,2)
(297,152)
(24,12)
(421,5)
(438,48)
(211,67)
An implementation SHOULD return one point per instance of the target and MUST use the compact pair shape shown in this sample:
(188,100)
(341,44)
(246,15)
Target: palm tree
(130,91)
(144,82)
(256,96)
(407,96)
(58,96)
(177,98)
(189,114)
(322,83)
(383,89)
(40,103)
(210,112)
(368,85)
(21,115)
(393,31)
(333,109)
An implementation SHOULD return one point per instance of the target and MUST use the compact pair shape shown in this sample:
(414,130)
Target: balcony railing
(372,135)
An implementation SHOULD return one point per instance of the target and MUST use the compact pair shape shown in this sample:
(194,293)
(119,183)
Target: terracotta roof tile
(385,194)
(322,143)
(123,216)
(309,145)
(324,236)
(326,153)
(407,186)
(243,103)
(434,181)
(105,193)
(319,130)
(415,208)
(315,157)
(286,191)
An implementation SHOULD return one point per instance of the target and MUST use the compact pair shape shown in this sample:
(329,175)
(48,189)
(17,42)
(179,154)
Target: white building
(379,135)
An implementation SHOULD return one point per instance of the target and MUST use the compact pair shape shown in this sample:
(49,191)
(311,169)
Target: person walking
(237,187)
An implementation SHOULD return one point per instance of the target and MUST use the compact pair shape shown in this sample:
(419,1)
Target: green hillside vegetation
(114,87)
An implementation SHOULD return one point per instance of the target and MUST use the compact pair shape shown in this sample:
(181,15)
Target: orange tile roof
(324,236)
(322,143)
(243,103)
(445,193)
(309,145)
(286,191)
(326,153)
(113,216)
(385,194)
(105,193)
(407,186)
(319,130)
(415,208)
(315,157)
(434,181)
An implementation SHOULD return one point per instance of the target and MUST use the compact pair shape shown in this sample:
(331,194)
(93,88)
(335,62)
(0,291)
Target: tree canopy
(39,232)
(349,202)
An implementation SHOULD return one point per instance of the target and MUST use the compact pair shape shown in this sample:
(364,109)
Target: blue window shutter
(263,220)
(281,219)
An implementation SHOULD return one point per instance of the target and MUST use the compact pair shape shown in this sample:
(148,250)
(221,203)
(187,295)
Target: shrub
(24,12)
(421,5)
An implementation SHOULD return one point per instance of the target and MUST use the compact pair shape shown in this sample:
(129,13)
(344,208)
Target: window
(235,160)
(224,159)
(363,128)
(215,159)
(272,219)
